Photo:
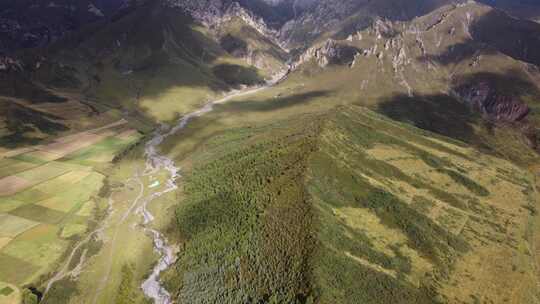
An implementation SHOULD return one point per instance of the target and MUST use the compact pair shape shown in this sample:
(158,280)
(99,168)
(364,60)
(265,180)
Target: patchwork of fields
(47,200)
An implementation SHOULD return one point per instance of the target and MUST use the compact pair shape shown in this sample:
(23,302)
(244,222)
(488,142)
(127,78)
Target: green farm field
(51,204)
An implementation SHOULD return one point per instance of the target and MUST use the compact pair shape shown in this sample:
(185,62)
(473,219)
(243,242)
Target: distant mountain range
(31,23)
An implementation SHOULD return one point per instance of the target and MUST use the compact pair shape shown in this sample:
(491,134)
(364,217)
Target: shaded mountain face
(526,9)
(119,61)
(34,23)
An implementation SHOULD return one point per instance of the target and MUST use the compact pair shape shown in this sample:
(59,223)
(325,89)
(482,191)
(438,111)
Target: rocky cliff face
(325,15)
(214,13)
(494,106)
(500,108)
(8,64)
(330,52)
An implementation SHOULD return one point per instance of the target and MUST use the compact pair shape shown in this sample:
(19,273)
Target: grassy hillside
(347,206)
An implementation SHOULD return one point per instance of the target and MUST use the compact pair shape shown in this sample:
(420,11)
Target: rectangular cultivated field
(71,198)
(39,213)
(98,131)
(102,152)
(70,109)
(65,148)
(57,203)
(30,196)
(3,151)
(40,156)
(38,246)
(128,134)
(29,158)
(44,173)
(62,183)
(11,226)
(87,209)
(12,184)
(8,204)
(9,166)
(85,188)
(15,152)
(15,270)
(70,230)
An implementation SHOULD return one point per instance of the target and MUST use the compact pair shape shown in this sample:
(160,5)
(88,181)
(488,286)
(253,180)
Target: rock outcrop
(493,105)
(213,13)
(331,52)
(8,64)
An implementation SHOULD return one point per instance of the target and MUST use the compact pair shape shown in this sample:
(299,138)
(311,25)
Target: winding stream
(156,162)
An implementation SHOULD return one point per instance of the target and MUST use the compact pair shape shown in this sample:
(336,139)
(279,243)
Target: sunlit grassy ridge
(343,207)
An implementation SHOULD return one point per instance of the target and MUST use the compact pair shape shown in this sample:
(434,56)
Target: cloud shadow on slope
(519,39)
(491,33)
(441,114)
(457,53)
(273,104)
